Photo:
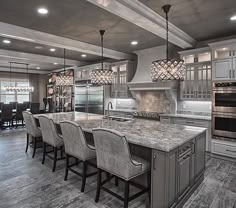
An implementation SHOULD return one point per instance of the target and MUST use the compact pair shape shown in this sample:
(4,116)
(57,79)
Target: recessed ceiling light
(52,49)
(38,47)
(134,42)
(38,67)
(84,55)
(42,10)
(55,63)
(233,18)
(6,41)
(224,49)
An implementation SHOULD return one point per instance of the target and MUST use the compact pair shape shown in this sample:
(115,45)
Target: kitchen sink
(117,118)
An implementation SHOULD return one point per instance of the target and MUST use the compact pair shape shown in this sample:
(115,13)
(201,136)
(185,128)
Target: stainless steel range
(224,109)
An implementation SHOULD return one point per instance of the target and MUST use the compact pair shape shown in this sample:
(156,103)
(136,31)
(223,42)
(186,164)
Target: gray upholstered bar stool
(51,138)
(77,147)
(113,156)
(32,130)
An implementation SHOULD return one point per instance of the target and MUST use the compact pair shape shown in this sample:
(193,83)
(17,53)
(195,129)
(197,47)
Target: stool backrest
(13,104)
(112,151)
(49,131)
(31,124)
(75,141)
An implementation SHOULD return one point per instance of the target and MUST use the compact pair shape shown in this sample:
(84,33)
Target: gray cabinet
(123,73)
(176,174)
(197,81)
(222,69)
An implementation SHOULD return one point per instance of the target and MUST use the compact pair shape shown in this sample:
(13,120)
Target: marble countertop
(208,118)
(147,133)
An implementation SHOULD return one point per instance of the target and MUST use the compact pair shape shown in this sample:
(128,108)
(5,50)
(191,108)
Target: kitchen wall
(195,107)
(128,104)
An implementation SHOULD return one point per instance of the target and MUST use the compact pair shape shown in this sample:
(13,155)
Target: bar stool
(113,156)
(77,147)
(51,138)
(32,130)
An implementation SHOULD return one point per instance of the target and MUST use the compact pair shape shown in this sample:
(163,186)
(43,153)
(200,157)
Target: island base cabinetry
(176,174)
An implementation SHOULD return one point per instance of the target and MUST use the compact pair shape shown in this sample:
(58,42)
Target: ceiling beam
(35,58)
(34,36)
(139,14)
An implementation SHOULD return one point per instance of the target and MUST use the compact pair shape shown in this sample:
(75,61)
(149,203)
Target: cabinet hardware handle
(228,150)
(154,162)
(229,73)
(233,73)
(229,53)
(233,52)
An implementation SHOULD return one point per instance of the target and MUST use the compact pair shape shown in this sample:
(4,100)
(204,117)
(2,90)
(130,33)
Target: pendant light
(62,79)
(101,76)
(20,88)
(167,69)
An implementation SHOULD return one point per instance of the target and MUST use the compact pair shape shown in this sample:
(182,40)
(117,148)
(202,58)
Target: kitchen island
(177,153)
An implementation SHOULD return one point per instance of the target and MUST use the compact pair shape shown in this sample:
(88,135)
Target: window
(7,97)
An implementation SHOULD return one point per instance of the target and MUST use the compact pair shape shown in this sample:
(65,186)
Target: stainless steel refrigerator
(89,98)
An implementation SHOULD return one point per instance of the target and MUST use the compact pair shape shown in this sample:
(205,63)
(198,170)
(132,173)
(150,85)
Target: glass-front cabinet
(123,73)
(197,81)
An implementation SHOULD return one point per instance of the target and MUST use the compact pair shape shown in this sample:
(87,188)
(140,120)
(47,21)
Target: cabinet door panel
(222,69)
(200,155)
(184,174)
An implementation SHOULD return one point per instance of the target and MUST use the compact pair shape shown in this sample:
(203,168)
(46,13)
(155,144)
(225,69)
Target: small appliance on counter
(147,115)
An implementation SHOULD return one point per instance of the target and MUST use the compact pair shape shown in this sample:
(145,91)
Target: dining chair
(27,104)
(113,156)
(6,115)
(33,131)
(77,147)
(13,104)
(35,108)
(20,107)
(50,138)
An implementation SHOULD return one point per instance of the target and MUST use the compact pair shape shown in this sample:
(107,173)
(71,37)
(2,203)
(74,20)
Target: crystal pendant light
(62,79)
(167,69)
(101,76)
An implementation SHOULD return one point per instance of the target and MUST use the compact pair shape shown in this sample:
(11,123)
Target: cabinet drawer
(191,122)
(224,149)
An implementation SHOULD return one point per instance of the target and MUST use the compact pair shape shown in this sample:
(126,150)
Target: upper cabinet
(197,81)
(123,73)
(83,73)
(224,60)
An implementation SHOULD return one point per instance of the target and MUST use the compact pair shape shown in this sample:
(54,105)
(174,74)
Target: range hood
(151,96)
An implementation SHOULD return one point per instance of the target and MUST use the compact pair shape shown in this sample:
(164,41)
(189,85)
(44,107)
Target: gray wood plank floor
(26,183)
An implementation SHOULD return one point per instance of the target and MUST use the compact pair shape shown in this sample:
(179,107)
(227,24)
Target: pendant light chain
(64,61)
(102,47)
(167,37)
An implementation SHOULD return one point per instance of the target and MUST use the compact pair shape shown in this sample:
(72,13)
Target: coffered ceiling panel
(78,20)
(201,19)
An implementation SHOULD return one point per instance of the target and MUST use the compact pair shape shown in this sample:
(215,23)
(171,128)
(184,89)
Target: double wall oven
(224,109)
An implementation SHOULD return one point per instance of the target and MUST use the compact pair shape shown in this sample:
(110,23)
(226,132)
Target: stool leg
(66,170)
(55,159)
(27,143)
(61,151)
(84,176)
(149,185)
(35,143)
(99,180)
(126,198)
(44,152)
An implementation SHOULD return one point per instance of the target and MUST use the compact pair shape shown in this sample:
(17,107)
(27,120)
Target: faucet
(108,107)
